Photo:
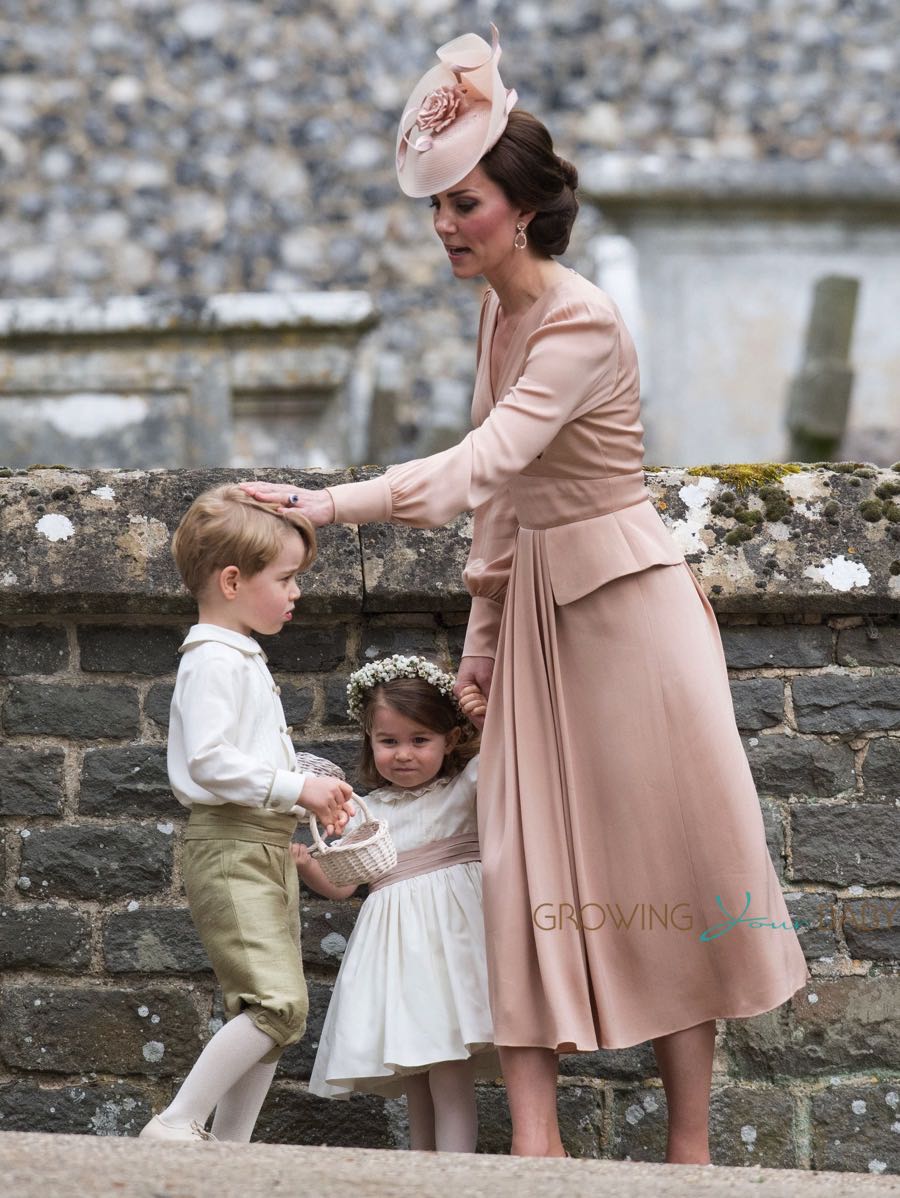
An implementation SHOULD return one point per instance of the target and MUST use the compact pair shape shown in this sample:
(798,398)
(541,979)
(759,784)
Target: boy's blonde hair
(227,527)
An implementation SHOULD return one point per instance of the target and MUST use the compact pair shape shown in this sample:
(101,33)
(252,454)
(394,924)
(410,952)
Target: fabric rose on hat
(439,108)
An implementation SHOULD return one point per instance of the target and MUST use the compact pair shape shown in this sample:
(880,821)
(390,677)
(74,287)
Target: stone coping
(820,539)
(68,1166)
(619,178)
(240,311)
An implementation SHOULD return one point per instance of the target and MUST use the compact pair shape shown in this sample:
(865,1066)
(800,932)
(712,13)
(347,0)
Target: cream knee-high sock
(235,1047)
(420,1112)
(238,1109)
(452,1085)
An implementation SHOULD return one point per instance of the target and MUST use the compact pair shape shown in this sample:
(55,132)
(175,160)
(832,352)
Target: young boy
(231,761)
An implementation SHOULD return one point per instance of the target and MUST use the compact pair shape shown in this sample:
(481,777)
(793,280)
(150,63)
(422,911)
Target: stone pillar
(143,382)
(725,254)
(819,396)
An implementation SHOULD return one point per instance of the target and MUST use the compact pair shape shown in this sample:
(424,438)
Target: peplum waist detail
(544,501)
(593,530)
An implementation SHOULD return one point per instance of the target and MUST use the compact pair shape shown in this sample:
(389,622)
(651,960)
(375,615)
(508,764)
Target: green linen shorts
(244,897)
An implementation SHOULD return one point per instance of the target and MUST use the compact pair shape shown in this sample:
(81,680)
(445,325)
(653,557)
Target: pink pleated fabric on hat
(454,115)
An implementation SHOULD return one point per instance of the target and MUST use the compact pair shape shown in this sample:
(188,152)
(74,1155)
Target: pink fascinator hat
(454,115)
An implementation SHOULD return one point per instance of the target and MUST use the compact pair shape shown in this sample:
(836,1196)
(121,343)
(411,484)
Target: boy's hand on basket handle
(320,769)
(329,801)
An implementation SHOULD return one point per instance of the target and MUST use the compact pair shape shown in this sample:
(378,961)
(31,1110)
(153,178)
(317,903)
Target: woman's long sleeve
(487,572)
(570,366)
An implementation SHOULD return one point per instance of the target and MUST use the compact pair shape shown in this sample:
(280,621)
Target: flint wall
(199,147)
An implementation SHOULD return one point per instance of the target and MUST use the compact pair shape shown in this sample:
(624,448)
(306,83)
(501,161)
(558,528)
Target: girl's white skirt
(412,987)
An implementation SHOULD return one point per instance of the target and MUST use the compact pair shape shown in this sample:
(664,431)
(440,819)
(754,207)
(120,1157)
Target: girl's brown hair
(534,178)
(420,701)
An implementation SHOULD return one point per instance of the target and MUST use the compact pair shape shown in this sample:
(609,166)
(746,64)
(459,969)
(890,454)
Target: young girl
(409,1012)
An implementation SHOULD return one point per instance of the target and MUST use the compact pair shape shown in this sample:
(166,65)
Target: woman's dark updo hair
(523,164)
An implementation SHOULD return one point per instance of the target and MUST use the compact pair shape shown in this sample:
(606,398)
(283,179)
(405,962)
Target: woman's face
(477,225)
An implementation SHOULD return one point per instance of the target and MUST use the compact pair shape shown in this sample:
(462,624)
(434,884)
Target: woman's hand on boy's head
(317,506)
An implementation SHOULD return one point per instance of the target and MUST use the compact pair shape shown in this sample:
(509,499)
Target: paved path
(56,1166)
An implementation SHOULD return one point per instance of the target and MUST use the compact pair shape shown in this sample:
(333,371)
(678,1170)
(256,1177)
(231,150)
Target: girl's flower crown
(398,666)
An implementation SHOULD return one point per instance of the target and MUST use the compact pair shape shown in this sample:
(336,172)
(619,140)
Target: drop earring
(521,240)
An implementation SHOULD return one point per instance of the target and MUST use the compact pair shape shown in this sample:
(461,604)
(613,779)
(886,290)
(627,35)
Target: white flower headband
(398,666)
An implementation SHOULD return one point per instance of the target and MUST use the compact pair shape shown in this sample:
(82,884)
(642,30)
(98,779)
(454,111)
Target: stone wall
(134,382)
(106,996)
(193,147)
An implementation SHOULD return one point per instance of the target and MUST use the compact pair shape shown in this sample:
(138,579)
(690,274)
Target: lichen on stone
(777,503)
(742,533)
(743,475)
(871,510)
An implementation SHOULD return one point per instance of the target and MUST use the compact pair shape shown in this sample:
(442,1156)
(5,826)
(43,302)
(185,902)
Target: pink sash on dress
(437,854)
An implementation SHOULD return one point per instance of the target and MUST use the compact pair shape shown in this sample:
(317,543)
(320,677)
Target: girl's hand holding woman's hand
(317,506)
(473,687)
(473,702)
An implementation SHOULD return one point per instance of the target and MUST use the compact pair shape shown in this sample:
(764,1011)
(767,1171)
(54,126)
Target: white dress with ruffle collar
(412,987)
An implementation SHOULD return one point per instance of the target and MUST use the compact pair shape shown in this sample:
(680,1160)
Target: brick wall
(106,994)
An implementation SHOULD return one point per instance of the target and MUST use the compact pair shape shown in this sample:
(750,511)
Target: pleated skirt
(628,887)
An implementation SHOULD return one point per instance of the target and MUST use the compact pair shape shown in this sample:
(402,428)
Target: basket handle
(321,846)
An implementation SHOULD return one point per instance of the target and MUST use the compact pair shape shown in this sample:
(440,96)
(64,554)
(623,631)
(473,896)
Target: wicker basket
(361,856)
(310,763)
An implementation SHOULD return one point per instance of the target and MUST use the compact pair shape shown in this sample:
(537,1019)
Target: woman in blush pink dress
(621,833)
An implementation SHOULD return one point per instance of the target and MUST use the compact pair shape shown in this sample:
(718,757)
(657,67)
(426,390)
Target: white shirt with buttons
(228,738)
